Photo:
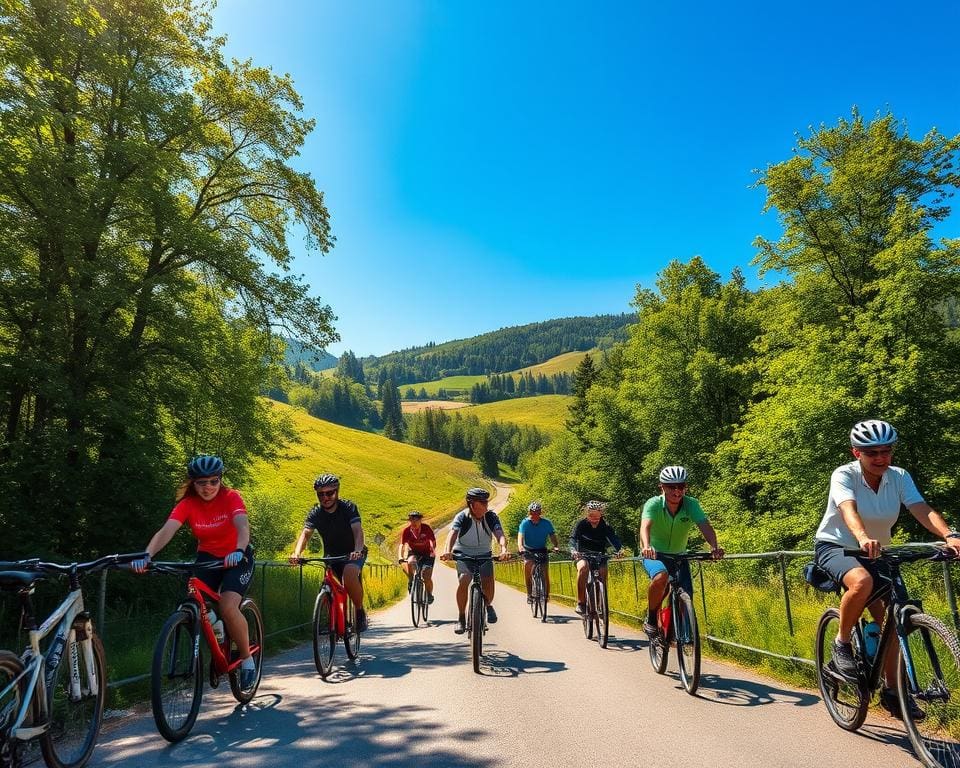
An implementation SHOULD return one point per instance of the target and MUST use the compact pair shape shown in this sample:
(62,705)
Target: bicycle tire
(935,654)
(415,604)
(324,635)
(11,667)
(659,646)
(251,612)
(846,701)
(688,642)
(176,677)
(588,612)
(603,615)
(534,599)
(351,637)
(542,597)
(593,608)
(477,621)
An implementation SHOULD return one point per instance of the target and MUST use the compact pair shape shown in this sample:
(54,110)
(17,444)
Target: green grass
(545,412)
(455,385)
(565,363)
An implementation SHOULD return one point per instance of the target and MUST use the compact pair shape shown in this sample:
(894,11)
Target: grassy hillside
(545,412)
(565,363)
(453,384)
(385,478)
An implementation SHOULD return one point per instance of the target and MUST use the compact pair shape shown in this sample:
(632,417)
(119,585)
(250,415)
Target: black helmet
(205,466)
(414,514)
(478,494)
(325,480)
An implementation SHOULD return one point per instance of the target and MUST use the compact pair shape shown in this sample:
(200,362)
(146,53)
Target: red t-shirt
(212,521)
(422,544)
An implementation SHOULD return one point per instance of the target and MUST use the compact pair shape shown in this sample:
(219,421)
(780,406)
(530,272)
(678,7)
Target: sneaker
(651,629)
(891,702)
(247,678)
(491,615)
(843,662)
(581,608)
(361,620)
(461,626)
(430,599)
(529,599)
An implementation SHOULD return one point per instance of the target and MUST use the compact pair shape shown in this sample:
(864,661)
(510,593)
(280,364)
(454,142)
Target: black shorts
(236,579)
(830,557)
(425,561)
(341,565)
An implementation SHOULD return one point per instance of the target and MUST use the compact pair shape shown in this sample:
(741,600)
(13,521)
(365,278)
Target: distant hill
(499,351)
(315,361)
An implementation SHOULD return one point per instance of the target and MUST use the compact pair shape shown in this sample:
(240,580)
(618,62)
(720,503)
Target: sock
(651,616)
(463,618)
(248,663)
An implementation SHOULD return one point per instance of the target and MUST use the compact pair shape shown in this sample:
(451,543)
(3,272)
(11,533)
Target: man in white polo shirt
(864,503)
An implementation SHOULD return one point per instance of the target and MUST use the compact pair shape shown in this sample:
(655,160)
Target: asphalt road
(546,697)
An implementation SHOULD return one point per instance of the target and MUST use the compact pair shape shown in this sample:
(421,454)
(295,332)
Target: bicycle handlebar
(107,561)
(171,566)
(908,552)
(328,559)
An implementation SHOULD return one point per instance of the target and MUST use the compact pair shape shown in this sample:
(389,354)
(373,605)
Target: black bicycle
(419,599)
(476,605)
(596,613)
(538,583)
(677,623)
(928,667)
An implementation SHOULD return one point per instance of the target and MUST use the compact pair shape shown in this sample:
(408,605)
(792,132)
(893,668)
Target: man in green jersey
(665,526)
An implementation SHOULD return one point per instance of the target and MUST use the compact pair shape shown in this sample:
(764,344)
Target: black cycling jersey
(334,527)
(586,538)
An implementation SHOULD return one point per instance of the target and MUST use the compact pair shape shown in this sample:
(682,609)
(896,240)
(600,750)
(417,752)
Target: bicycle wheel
(10,669)
(324,636)
(534,601)
(351,637)
(477,620)
(935,654)
(688,642)
(846,701)
(254,620)
(542,595)
(415,602)
(659,644)
(176,677)
(588,612)
(593,608)
(603,615)
(424,603)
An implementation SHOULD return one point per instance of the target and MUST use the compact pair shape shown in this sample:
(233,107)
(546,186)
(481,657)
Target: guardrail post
(950,595)
(786,591)
(636,586)
(561,579)
(703,599)
(102,603)
(300,594)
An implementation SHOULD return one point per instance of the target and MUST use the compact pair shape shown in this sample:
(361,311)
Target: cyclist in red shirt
(217,518)
(421,545)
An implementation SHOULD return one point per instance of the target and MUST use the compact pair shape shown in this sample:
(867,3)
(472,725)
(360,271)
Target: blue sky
(493,164)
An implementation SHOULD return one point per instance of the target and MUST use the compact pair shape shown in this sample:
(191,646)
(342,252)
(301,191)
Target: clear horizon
(498,165)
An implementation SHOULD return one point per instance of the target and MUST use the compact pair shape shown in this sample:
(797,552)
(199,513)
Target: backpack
(819,579)
(490,522)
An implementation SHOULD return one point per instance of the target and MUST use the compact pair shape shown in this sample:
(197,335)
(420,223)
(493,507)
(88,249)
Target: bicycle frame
(196,590)
(338,616)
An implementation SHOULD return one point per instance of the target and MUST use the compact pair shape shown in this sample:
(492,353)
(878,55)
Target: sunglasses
(669,487)
(874,452)
(213,482)
(327,494)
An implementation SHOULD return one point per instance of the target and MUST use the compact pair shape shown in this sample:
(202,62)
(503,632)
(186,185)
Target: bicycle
(419,599)
(596,613)
(334,617)
(476,615)
(677,623)
(538,584)
(58,695)
(176,673)
(928,667)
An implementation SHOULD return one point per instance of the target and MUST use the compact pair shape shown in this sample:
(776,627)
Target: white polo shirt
(878,511)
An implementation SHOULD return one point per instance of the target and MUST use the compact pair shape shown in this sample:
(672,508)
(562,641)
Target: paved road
(547,697)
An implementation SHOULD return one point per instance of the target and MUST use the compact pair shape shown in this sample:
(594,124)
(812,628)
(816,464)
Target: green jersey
(669,533)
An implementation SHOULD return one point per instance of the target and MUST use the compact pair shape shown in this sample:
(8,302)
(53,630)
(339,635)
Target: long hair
(186,488)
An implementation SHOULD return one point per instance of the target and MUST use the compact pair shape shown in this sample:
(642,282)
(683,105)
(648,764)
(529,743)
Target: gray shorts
(466,568)
(831,558)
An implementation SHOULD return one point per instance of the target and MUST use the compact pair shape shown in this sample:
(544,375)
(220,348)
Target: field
(415,406)
(565,363)
(453,384)
(545,412)
(385,478)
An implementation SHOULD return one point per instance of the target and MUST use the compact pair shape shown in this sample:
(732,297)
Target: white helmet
(866,434)
(673,474)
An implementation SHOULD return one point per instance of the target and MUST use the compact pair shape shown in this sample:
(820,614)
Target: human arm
(934,522)
(645,549)
(711,536)
(556,542)
(502,541)
(451,540)
(157,542)
(357,528)
(242,523)
(851,519)
(301,544)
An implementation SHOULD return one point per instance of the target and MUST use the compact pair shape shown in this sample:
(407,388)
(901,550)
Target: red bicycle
(334,617)
(176,684)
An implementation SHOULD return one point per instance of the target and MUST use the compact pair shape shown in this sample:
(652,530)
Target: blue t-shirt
(535,534)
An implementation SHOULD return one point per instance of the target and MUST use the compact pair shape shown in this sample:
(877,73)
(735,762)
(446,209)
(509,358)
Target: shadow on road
(747,693)
(504,664)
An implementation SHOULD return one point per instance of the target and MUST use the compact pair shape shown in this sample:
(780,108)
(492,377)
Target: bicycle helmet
(478,494)
(205,466)
(534,506)
(673,474)
(873,432)
(325,480)
(595,506)
(414,514)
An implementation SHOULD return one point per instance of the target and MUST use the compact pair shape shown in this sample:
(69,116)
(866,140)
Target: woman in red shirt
(217,518)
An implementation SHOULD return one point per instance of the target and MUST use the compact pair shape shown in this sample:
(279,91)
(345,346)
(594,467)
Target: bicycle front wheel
(588,608)
(688,642)
(11,667)
(846,701)
(176,677)
(934,654)
(477,625)
(415,600)
(254,621)
(659,644)
(351,637)
(603,615)
(541,595)
(424,603)
(324,636)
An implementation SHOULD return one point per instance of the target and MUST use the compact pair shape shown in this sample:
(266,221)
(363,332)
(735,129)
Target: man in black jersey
(338,523)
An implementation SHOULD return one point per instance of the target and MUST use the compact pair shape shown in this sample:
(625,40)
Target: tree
(485,457)
(146,196)
(391,411)
(584,377)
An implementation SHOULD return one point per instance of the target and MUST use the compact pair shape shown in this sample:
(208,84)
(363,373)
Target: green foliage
(339,400)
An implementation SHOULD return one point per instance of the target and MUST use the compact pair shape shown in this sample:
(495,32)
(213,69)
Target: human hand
(870,547)
(718,553)
(141,565)
(649,553)
(233,559)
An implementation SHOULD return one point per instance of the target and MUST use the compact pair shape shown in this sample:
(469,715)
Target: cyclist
(218,520)
(591,534)
(532,537)
(338,523)
(472,533)
(862,508)
(665,526)
(418,544)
